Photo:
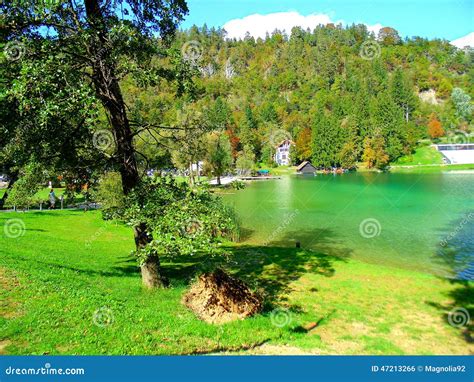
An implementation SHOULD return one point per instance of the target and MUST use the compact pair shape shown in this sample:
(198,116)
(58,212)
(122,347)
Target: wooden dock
(259,177)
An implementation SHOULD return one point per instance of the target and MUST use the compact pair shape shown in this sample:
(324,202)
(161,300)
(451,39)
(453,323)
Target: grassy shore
(427,169)
(426,159)
(424,155)
(69,286)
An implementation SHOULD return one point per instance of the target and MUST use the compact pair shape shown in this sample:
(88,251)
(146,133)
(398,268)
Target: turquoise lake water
(415,221)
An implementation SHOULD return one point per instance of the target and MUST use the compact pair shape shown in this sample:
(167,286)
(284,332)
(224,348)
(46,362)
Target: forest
(342,95)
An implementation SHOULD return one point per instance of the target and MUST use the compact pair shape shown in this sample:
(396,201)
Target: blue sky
(426,18)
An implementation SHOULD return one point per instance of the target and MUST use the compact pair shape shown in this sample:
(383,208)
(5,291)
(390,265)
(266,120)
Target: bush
(182,220)
(109,192)
(22,194)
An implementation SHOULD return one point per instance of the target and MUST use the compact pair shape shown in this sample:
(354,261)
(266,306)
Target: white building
(197,166)
(457,153)
(282,153)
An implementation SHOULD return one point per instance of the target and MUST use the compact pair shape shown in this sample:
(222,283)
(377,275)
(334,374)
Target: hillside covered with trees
(343,95)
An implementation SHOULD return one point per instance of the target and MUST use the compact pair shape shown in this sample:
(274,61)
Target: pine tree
(388,117)
(402,93)
(326,141)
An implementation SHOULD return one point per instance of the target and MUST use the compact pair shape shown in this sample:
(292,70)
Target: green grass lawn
(41,194)
(69,265)
(422,156)
(426,169)
(282,170)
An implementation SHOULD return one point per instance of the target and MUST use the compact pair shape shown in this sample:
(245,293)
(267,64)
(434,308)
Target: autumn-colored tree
(435,130)
(388,36)
(234,142)
(374,152)
(303,144)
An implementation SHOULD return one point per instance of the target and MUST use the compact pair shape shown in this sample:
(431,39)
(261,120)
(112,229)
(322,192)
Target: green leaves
(23,191)
(462,102)
(180,219)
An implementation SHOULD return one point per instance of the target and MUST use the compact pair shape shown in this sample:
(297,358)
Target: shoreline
(414,169)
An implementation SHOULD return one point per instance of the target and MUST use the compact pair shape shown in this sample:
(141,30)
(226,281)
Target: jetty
(265,177)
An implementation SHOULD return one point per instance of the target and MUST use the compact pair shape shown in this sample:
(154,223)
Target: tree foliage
(180,220)
(435,130)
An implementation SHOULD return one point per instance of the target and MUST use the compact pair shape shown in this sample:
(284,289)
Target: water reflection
(456,248)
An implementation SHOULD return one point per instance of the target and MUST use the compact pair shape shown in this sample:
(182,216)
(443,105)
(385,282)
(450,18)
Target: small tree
(303,144)
(23,192)
(388,36)
(435,130)
(218,155)
(245,160)
(109,191)
(374,152)
(189,147)
(462,102)
(348,155)
(181,220)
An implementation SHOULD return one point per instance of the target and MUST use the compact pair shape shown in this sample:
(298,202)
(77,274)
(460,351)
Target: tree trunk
(198,173)
(108,90)
(150,269)
(219,180)
(191,174)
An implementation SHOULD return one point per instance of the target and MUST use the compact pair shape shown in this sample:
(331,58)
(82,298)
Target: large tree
(44,120)
(101,41)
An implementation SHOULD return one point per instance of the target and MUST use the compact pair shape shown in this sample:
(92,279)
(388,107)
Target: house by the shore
(282,153)
(306,167)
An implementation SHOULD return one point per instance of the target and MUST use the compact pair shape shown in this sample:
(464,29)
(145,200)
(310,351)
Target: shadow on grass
(119,271)
(460,311)
(5,215)
(268,268)
(456,255)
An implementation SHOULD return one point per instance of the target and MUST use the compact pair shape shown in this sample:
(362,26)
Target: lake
(415,221)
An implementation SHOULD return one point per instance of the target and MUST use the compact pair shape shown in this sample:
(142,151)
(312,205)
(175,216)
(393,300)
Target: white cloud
(467,40)
(258,25)
(374,28)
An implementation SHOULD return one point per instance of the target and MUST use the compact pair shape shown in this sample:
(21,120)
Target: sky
(447,19)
